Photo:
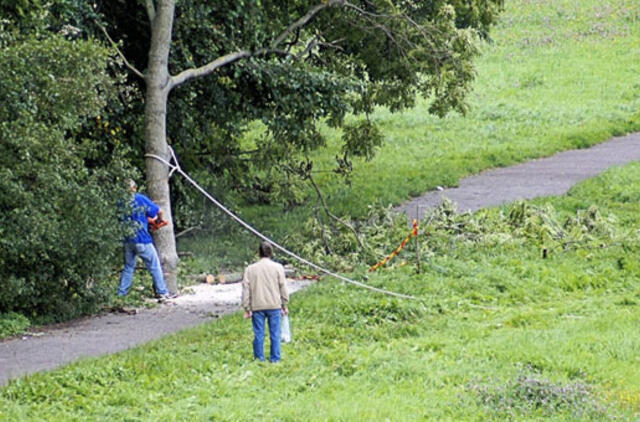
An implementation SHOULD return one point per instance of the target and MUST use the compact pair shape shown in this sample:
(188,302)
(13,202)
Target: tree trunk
(158,85)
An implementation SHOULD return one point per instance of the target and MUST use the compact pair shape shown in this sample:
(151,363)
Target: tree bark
(158,86)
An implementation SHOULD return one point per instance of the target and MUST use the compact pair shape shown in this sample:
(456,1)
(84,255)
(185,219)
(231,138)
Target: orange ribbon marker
(414,232)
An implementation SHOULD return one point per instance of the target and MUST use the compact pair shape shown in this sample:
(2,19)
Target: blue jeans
(273,316)
(148,253)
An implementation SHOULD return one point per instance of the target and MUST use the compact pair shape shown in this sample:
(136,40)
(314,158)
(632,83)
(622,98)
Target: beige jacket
(263,286)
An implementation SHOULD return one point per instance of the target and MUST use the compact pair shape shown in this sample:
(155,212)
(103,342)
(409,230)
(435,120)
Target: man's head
(265,250)
(131,184)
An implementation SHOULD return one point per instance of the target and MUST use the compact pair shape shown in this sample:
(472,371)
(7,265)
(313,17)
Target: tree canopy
(346,57)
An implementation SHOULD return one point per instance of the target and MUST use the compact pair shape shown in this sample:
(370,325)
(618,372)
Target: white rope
(176,167)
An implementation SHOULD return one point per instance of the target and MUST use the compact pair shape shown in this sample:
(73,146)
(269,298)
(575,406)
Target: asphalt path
(54,346)
(541,177)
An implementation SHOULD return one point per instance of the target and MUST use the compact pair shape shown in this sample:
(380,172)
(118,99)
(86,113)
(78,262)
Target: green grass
(494,317)
(499,333)
(558,75)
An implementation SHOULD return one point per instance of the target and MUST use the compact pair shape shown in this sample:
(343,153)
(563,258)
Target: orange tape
(397,250)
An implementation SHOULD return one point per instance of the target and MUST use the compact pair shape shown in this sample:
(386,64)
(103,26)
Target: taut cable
(176,168)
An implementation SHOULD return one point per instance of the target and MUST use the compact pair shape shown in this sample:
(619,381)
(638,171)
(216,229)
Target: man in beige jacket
(265,296)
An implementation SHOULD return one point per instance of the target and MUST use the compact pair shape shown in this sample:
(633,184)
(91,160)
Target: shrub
(12,324)
(58,238)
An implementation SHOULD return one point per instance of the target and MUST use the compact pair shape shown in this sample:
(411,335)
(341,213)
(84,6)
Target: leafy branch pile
(522,222)
(444,230)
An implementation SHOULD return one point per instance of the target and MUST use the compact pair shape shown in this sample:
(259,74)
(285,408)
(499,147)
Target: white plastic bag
(285,329)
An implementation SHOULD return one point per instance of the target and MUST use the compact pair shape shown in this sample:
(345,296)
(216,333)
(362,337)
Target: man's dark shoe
(166,296)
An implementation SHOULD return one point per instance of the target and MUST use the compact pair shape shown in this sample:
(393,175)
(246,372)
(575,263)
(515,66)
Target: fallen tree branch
(185,231)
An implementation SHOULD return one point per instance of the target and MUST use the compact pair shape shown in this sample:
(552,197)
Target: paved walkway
(111,333)
(542,177)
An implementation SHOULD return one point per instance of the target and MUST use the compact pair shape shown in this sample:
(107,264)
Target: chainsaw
(156,223)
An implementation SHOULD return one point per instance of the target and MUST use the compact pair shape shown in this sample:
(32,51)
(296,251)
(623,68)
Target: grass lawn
(558,75)
(499,333)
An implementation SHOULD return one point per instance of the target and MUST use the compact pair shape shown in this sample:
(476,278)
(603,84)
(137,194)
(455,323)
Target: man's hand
(156,223)
(248,314)
(285,311)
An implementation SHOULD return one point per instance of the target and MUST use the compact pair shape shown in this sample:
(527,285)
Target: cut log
(234,277)
(229,278)
(207,278)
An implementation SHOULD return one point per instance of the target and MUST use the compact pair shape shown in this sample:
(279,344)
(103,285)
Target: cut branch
(115,45)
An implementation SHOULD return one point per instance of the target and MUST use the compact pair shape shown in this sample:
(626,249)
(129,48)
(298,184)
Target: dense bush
(58,237)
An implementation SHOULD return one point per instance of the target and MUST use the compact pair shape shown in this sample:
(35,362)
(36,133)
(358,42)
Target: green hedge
(58,236)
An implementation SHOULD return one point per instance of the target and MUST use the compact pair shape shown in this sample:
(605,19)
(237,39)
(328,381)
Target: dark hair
(265,250)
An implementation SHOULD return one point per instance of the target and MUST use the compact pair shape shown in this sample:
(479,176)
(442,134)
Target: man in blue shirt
(141,244)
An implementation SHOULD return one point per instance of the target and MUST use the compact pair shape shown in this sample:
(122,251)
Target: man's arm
(152,210)
(284,294)
(246,295)
(156,223)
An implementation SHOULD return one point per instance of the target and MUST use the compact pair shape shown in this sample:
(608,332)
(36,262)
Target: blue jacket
(141,208)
